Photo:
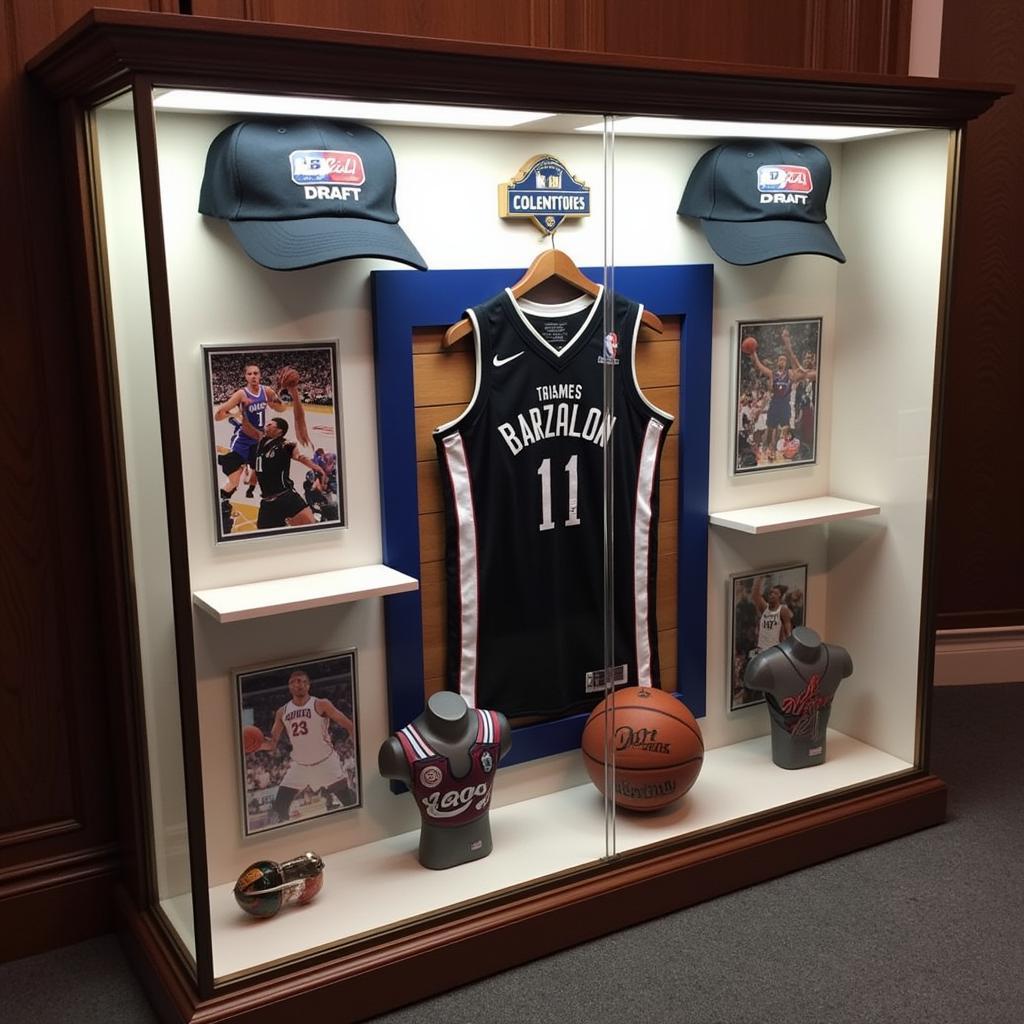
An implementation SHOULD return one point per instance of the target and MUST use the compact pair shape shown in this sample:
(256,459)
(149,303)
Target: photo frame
(757,622)
(269,479)
(775,394)
(298,740)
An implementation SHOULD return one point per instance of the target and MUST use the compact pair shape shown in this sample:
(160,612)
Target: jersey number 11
(544,472)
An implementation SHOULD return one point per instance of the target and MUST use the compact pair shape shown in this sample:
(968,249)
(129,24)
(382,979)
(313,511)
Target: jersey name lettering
(553,392)
(556,420)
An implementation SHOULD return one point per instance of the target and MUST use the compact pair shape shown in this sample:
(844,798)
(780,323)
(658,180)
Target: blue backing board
(403,300)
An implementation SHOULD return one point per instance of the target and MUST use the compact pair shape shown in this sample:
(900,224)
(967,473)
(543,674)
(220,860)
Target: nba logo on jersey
(486,761)
(610,352)
(317,166)
(783,178)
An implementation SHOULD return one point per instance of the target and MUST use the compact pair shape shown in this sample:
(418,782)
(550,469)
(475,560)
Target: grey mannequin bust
(799,677)
(448,757)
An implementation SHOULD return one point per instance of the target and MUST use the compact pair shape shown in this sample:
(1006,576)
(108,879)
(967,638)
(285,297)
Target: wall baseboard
(967,656)
(55,901)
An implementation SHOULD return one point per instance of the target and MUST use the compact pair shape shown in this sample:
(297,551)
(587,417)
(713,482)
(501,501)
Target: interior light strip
(310,106)
(686,128)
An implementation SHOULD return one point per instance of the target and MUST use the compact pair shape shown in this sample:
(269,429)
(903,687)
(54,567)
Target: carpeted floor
(929,929)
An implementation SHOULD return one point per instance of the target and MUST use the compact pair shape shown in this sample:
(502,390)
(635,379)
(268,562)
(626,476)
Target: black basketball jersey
(273,465)
(523,479)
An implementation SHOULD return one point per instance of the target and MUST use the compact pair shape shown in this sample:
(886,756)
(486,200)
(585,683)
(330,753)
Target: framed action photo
(298,737)
(776,395)
(275,438)
(764,608)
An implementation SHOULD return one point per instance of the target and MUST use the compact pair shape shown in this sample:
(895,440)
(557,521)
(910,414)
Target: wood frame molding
(100,53)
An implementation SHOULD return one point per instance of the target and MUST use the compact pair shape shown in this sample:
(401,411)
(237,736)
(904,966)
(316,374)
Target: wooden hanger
(550,263)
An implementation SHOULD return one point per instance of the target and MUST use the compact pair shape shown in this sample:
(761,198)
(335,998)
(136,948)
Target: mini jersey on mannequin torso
(448,757)
(799,678)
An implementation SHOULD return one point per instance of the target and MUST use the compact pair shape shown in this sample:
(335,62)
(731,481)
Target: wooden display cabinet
(155,282)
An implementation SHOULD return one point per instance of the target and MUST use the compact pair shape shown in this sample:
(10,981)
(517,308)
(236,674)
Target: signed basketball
(657,746)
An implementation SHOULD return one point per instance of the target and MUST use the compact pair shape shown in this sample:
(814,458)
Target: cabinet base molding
(416,963)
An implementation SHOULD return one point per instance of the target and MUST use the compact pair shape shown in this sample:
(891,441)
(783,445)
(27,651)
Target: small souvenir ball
(250,889)
(657,742)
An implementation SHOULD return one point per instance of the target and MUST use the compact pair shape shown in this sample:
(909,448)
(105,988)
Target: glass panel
(415,470)
(141,404)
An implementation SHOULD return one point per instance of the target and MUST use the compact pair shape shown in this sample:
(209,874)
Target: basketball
(288,377)
(657,745)
(749,345)
(252,738)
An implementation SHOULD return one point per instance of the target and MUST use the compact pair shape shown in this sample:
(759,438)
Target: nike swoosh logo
(508,359)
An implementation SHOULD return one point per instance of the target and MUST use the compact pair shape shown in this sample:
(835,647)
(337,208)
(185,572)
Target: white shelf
(270,597)
(377,885)
(790,514)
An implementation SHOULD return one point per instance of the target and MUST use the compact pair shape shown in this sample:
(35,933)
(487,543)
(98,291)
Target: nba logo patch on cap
(759,199)
(783,178)
(326,166)
(299,192)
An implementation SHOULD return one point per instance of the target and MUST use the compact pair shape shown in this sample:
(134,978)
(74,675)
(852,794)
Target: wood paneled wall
(981,485)
(58,839)
(842,35)
(58,849)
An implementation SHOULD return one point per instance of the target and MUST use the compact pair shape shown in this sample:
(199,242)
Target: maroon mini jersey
(444,798)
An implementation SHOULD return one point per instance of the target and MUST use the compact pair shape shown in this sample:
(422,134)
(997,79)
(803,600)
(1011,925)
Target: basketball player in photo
(248,405)
(280,504)
(787,372)
(775,620)
(314,763)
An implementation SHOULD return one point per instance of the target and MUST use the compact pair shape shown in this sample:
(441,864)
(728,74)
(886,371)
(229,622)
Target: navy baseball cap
(759,200)
(305,191)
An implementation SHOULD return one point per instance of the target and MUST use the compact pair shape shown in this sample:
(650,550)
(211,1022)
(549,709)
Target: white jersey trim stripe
(422,748)
(479,374)
(458,472)
(642,550)
(486,727)
(636,384)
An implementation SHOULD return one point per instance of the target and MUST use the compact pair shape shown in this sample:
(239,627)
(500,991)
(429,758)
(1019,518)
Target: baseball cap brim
(310,241)
(756,241)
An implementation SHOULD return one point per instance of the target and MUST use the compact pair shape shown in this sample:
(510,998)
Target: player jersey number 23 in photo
(522,473)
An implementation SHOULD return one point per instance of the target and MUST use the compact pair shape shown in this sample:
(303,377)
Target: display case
(749,449)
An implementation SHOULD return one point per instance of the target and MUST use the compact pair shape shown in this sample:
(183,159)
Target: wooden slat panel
(428,486)
(668,496)
(428,418)
(432,537)
(668,536)
(670,459)
(667,643)
(667,579)
(444,379)
(432,597)
(657,365)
